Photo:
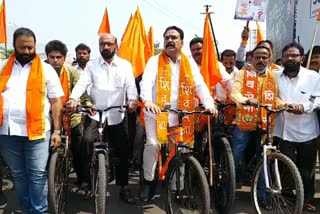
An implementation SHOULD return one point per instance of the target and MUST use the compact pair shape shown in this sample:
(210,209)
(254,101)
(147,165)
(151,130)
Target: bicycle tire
(192,172)
(224,176)
(294,192)
(57,183)
(101,185)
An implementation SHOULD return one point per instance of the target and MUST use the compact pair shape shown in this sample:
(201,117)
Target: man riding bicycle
(110,78)
(253,85)
(169,77)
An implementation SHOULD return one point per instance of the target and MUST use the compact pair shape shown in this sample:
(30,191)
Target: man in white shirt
(29,89)
(82,56)
(296,133)
(173,41)
(111,79)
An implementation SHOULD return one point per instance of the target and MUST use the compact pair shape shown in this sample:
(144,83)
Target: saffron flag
(105,26)
(209,63)
(134,45)
(3,27)
(259,33)
(319,15)
(151,43)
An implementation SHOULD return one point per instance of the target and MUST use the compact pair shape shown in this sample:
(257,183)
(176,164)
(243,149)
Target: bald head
(108,46)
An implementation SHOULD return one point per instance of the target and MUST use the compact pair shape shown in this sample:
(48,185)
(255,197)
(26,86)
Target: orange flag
(3,27)
(259,33)
(319,15)
(105,26)
(209,64)
(151,43)
(135,46)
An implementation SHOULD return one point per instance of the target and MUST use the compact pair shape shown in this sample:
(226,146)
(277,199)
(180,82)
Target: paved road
(76,205)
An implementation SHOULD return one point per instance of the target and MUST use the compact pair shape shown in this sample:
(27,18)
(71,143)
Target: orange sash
(247,115)
(185,98)
(35,96)
(65,83)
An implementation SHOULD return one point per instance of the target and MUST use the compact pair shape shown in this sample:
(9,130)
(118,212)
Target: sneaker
(3,200)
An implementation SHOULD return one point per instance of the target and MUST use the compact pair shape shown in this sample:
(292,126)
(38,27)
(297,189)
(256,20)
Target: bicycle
(99,163)
(58,173)
(218,164)
(185,184)
(276,176)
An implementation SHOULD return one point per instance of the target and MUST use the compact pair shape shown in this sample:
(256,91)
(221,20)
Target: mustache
(170,44)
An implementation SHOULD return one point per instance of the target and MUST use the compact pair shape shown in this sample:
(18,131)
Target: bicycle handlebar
(272,111)
(183,112)
(85,109)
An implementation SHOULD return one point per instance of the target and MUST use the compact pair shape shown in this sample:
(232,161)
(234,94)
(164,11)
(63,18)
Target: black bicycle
(100,161)
(217,161)
(58,173)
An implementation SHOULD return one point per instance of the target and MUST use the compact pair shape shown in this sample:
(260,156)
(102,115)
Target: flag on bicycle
(259,33)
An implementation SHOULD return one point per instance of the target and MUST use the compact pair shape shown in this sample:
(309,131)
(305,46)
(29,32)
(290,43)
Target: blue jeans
(240,141)
(28,161)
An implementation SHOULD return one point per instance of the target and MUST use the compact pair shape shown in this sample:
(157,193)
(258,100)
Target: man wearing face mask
(253,85)
(296,133)
(29,88)
(111,79)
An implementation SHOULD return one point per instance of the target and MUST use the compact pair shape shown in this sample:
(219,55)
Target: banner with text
(253,10)
(314,8)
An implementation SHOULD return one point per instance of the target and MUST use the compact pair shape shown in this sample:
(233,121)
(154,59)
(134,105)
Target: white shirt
(224,87)
(109,85)
(148,86)
(14,98)
(294,127)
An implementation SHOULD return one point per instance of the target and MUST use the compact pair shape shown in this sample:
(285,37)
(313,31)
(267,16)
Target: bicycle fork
(266,149)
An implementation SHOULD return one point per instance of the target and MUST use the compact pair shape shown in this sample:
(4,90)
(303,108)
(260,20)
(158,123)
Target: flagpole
(313,40)
(211,26)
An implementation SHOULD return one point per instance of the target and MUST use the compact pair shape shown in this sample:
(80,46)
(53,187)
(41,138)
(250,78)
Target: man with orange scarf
(169,77)
(29,88)
(253,85)
(56,52)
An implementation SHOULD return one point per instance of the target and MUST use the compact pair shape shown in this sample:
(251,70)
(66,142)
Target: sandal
(83,191)
(310,208)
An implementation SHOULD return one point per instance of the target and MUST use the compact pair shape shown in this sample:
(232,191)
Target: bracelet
(57,131)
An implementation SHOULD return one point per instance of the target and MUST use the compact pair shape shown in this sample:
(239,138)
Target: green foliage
(3,52)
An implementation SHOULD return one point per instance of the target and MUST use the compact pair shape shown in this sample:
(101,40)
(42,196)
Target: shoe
(146,191)
(17,212)
(3,200)
(310,207)
(265,204)
(127,196)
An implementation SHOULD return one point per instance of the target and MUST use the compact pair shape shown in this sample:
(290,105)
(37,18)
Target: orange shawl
(36,87)
(185,98)
(65,83)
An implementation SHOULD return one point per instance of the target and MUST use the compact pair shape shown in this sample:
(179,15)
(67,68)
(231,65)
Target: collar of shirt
(19,64)
(115,61)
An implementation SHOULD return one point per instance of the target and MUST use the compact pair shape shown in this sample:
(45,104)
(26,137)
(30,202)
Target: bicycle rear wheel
(190,192)
(100,190)
(58,182)
(224,179)
(288,199)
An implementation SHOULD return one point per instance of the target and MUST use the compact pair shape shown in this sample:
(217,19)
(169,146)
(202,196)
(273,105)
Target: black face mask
(24,58)
(81,62)
(107,54)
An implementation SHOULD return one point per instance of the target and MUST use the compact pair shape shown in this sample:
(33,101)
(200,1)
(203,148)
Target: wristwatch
(57,131)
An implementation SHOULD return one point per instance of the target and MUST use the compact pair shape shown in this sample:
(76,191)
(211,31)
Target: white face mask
(261,71)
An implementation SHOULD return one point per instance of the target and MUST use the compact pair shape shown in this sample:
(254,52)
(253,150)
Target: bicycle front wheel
(186,188)
(224,178)
(285,195)
(100,190)
(57,182)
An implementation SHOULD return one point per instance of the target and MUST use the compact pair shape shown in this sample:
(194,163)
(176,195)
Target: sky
(76,21)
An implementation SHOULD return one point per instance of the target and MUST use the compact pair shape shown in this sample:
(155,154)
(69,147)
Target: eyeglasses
(293,56)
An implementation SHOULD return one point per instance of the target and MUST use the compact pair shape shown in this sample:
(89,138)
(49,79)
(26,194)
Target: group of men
(29,88)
